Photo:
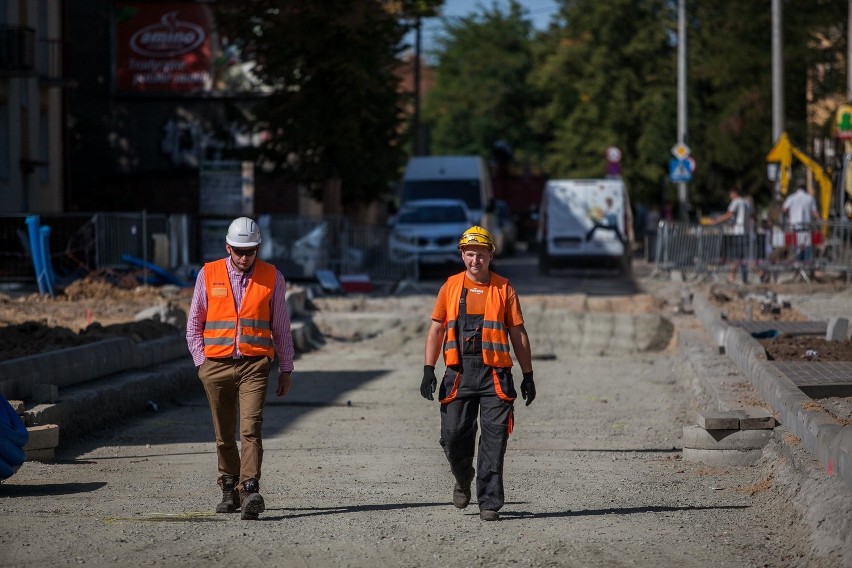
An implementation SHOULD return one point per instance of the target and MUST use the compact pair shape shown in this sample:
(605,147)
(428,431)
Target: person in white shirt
(801,212)
(739,214)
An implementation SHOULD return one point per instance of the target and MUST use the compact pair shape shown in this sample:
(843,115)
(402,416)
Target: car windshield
(465,189)
(433,214)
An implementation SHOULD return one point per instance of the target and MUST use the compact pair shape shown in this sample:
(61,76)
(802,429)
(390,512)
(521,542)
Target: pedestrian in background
(476,314)
(237,322)
(800,211)
(739,242)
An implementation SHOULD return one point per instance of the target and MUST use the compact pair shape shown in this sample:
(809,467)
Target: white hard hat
(243,232)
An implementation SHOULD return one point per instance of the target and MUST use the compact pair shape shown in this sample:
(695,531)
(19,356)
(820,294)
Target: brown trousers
(228,382)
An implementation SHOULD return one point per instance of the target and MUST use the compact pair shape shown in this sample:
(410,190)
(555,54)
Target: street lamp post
(777,82)
(681,99)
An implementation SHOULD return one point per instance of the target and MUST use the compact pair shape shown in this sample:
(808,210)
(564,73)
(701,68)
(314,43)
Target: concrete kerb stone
(711,318)
(87,407)
(820,435)
(843,448)
(826,441)
(63,367)
(295,299)
(723,458)
(697,438)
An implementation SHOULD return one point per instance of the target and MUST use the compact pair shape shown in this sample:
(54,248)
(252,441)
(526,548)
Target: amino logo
(168,38)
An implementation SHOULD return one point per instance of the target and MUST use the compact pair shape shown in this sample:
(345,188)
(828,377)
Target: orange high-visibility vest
(253,321)
(495,338)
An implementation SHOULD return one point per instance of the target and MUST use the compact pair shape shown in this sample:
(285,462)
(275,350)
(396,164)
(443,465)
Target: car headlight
(403,238)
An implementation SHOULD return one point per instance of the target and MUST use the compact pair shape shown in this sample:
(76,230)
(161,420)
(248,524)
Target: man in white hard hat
(237,322)
(476,315)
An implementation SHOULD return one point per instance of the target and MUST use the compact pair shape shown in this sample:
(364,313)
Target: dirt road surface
(354,475)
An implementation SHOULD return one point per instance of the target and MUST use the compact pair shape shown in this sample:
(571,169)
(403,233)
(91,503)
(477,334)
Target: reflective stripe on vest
(220,329)
(495,338)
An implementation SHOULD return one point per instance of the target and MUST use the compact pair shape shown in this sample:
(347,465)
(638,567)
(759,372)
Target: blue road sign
(680,170)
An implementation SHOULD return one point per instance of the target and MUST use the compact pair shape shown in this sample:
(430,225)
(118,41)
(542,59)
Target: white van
(586,222)
(452,177)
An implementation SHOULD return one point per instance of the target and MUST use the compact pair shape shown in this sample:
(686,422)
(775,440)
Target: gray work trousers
(477,401)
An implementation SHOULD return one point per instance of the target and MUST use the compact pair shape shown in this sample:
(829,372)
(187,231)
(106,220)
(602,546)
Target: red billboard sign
(163,47)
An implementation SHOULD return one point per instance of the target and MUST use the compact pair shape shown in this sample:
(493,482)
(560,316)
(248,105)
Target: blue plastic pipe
(46,261)
(35,252)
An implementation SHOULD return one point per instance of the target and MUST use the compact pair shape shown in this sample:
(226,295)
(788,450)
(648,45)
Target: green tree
(608,77)
(730,80)
(481,95)
(336,110)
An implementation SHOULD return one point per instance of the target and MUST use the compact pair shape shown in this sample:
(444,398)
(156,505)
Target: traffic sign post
(613,162)
(681,151)
(680,171)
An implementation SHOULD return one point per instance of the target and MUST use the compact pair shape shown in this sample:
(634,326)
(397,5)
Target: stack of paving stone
(43,438)
(735,437)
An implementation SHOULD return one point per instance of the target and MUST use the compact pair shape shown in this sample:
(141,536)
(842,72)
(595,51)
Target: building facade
(32,98)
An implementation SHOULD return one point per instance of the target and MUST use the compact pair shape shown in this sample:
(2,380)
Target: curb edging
(830,443)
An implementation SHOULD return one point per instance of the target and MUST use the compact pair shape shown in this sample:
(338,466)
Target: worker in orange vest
(237,322)
(476,315)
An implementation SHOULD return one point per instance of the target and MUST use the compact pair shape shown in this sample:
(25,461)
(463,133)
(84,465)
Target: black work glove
(430,382)
(528,388)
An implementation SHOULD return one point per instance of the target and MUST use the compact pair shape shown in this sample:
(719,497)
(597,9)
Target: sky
(539,10)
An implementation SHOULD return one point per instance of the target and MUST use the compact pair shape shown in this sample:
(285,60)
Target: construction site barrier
(699,252)
(79,245)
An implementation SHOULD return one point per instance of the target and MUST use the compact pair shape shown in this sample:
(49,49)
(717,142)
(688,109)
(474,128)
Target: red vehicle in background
(522,194)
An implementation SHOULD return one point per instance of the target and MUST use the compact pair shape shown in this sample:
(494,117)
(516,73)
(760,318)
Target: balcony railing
(17,50)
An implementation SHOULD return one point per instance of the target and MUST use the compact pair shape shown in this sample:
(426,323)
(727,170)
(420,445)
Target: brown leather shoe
(488,515)
(251,501)
(228,483)
(461,495)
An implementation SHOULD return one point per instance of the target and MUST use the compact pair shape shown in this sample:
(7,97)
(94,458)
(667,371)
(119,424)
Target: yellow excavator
(783,153)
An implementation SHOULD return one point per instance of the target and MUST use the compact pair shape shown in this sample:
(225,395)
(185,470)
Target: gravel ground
(354,476)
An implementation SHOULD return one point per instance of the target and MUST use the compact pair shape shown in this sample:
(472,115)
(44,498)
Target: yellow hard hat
(476,235)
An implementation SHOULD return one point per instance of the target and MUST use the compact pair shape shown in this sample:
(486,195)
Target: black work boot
(228,483)
(251,502)
(461,493)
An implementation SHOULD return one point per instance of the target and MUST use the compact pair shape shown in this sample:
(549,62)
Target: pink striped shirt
(280,323)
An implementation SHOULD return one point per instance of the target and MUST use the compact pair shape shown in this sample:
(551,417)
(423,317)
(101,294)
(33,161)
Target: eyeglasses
(244,252)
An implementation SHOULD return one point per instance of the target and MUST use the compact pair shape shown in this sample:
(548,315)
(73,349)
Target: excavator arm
(783,153)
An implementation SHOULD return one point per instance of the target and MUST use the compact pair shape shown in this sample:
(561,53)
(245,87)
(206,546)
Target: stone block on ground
(722,457)
(44,393)
(42,455)
(837,329)
(754,418)
(42,437)
(719,421)
(695,437)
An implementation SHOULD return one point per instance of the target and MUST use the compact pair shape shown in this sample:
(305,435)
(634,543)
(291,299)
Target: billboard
(173,48)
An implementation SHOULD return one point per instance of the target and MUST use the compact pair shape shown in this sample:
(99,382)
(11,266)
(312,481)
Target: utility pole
(418,146)
(681,99)
(777,82)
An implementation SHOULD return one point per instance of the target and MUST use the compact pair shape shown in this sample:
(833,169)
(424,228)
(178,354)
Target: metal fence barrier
(79,243)
(83,244)
(706,251)
(300,246)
